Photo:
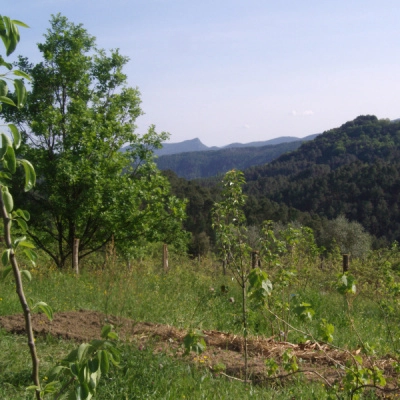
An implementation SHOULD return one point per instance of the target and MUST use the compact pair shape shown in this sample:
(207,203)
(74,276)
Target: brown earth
(316,361)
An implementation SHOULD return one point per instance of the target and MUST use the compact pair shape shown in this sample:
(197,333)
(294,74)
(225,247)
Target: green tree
(80,114)
(351,237)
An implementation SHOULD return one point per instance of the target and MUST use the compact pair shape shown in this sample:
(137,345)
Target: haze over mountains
(192,159)
(196,145)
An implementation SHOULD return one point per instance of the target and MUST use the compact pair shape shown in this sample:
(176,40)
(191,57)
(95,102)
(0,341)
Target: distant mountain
(205,164)
(196,145)
(279,140)
(183,147)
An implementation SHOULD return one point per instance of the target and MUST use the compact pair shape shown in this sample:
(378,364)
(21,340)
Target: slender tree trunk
(22,298)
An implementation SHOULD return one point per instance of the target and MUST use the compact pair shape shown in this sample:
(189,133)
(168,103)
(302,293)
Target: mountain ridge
(194,145)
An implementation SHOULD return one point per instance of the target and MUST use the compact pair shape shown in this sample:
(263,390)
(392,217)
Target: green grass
(144,375)
(188,296)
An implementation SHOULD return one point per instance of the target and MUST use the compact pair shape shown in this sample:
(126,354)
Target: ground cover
(153,311)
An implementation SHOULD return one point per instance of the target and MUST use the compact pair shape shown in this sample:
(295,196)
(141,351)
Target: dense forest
(351,171)
(204,164)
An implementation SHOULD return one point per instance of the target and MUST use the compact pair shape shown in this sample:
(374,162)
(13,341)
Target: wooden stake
(75,256)
(345,263)
(165,258)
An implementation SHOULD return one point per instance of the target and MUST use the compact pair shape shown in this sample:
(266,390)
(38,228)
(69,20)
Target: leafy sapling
(10,36)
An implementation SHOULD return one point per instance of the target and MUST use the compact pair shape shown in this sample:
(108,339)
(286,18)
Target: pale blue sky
(242,70)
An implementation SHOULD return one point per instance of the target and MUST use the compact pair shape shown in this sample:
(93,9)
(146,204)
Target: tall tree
(79,115)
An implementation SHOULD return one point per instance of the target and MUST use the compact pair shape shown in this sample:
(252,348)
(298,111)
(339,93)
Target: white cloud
(302,113)
(246,126)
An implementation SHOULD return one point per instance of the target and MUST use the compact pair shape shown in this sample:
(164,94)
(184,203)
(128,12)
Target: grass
(144,375)
(188,296)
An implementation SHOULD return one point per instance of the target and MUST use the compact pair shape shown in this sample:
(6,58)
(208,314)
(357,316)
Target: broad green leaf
(112,335)
(3,88)
(10,161)
(5,257)
(6,272)
(22,74)
(5,143)
(93,365)
(16,135)
(82,350)
(51,387)
(27,274)
(6,100)
(21,92)
(7,199)
(54,372)
(46,309)
(22,214)
(18,241)
(27,244)
(22,224)
(30,175)
(104,361)
(31,255)
(32,388)
(105,331)
(5,175)
(19,23)
(3,63)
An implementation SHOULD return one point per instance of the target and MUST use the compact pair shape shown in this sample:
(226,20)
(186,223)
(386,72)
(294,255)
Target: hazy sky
(242,70)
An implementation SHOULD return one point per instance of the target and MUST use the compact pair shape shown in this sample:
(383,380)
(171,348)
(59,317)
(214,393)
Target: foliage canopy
(79,115)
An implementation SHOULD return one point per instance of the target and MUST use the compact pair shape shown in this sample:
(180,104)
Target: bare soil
(316,361)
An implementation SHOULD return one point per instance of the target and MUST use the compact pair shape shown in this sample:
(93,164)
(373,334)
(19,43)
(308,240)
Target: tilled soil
(316,361)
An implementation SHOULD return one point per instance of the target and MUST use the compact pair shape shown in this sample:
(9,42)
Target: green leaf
(3,88)
(22,74)
(6,100)
(30,175)
(5,143)
(25,243)
(82,351)
(16,135)
(19,23)
(104,361)
(22,214)
(31,255)
(5,257)
(6,272)
(51,387)
(46,309)
(54,372)
(22,224)
(7,199)
(112,336)
(105,331)
(9,160)
(21,92)
(27,274)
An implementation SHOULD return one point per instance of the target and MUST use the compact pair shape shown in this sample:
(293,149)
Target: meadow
(190,296)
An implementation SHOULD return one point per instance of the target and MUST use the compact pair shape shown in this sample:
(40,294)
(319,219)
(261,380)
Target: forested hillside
(204,164)
(352,171)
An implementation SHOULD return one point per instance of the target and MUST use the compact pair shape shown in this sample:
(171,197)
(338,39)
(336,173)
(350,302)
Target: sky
(228,71)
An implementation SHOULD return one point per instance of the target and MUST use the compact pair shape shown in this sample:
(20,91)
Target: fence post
(165,258)
(75,256)
(345,263)
(255,260)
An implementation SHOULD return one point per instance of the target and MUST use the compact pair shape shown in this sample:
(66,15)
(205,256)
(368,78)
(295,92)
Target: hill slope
(353,170)
(204,164)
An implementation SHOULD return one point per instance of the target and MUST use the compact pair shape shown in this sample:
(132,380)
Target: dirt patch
(317,361)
